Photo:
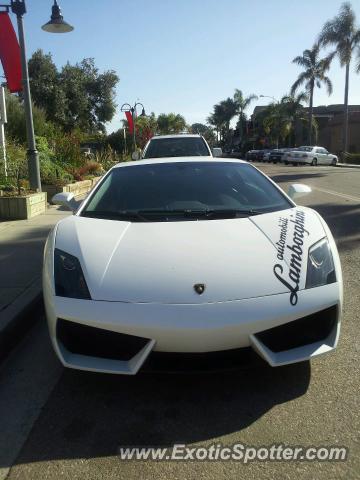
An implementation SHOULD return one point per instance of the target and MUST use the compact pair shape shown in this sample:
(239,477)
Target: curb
(347,165)
(17,319)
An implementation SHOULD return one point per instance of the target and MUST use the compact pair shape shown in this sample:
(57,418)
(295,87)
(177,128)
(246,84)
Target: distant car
(266,156)
(277,154)
(181,145)
(250,155)
(260,155)
(310,155)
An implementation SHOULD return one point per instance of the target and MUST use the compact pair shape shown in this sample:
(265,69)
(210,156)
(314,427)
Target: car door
(327,157)
(321,157)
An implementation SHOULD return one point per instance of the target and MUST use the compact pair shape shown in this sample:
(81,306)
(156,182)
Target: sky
(184,56)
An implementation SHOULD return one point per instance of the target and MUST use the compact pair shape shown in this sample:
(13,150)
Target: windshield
(184,191)
(177,147)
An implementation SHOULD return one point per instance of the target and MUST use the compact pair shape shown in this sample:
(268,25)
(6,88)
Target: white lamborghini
(190,255)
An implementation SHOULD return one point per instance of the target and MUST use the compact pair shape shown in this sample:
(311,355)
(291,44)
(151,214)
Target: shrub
(353,158)
(17,169)
(90,169)
(107,158)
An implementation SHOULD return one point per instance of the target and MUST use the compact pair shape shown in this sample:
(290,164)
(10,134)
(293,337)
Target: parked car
(260,154)
(177,255)
(310,155)
(266,156)
(182,145)
(250,155)
(277,154)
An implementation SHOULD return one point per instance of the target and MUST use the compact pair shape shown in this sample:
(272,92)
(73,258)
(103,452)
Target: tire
(286,162)
(294,164)
(314,162)
(334,162)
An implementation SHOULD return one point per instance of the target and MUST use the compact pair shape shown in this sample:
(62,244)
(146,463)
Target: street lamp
(18,7)
(269,96)
(57,23)
(126,107)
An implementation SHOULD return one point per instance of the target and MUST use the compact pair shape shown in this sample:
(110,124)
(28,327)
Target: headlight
(320,267)
(69,278)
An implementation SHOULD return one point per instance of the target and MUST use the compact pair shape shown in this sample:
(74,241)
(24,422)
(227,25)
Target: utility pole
(3,120)
(56,25)
(18,7)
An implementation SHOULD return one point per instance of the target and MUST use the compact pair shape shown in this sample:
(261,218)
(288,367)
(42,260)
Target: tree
(90,96)
(205,131)
(16,126)
(169,123)
(223,113)
(241,105)
(46,90)
(343,33)
(313,75)
(76,97)
(294,110)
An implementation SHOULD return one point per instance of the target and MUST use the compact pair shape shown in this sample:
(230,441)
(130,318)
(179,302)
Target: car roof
(178,135)
(151,161)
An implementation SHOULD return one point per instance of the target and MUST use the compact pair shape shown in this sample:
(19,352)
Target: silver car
(310,155)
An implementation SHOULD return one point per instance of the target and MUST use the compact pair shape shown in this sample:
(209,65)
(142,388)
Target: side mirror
(136,155)
(297,190)
(217,152)
(65,199)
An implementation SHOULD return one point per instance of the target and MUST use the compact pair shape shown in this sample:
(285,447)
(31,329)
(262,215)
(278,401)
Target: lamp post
(56,25)
(269,96)
(126,107)
(278,103)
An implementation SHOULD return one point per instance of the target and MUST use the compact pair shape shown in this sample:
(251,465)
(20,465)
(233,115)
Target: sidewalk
(21,250)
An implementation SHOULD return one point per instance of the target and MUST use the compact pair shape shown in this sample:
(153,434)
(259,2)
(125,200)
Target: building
(330,120)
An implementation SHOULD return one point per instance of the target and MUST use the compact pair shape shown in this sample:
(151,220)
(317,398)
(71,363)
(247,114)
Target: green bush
(17,170)
(51,172)
(107,158)
(352,158)
(16,124)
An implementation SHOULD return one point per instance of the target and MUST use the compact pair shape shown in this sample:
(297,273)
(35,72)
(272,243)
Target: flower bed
(79,189)
(22,207)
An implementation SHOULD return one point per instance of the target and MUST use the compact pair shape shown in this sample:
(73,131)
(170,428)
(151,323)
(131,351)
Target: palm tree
(293,110)
(242,103)
(313,75)
(223,113)
(343,33)
(170,123)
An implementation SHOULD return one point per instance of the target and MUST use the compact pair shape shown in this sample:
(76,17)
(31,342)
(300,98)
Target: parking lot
(58,423)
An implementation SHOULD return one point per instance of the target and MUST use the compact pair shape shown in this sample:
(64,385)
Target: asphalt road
(66,424)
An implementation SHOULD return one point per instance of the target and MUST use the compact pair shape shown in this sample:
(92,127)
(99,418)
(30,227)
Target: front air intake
(97,342)
(298,333)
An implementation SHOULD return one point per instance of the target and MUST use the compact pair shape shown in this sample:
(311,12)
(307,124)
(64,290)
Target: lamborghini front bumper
(117,337)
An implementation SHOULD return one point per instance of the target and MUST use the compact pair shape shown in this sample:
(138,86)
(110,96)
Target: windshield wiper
(207,213)
(124,215)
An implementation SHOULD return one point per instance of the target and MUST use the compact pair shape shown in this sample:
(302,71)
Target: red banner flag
(10,54)
(129,118)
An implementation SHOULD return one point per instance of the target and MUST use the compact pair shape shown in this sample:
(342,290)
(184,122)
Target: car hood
(162,261)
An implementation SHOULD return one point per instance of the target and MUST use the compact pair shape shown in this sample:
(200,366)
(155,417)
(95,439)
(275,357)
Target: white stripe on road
(338,194)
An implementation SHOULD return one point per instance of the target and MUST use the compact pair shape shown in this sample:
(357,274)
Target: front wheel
(314,162)
(334,162)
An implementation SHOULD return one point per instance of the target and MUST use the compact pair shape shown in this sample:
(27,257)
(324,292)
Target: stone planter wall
(23,207)
(79,189)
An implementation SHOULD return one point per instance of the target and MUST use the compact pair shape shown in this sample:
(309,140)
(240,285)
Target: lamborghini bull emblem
(199,288)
